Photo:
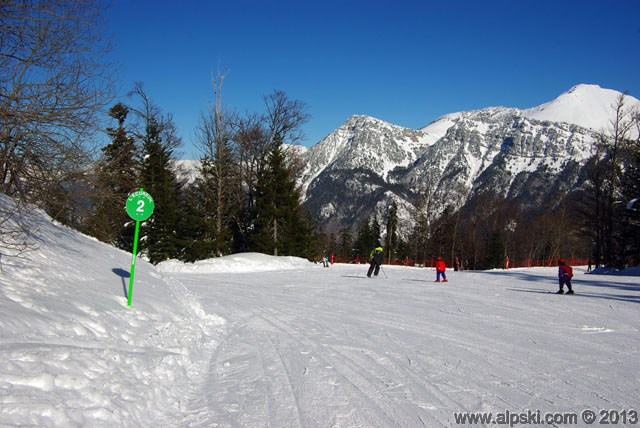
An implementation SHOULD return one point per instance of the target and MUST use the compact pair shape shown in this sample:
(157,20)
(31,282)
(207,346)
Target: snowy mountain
(531,155)
(186,171)
(354,164)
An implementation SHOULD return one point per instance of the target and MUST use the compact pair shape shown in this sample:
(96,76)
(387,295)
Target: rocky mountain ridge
(529,155)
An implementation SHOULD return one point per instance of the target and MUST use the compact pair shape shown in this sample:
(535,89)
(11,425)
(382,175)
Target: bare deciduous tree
(606,172)
(285,117)
(53,86)
(252,143)
(16,229)
(219,172)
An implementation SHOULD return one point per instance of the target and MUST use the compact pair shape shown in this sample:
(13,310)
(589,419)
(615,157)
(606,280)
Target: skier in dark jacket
(376,256)
(565,273)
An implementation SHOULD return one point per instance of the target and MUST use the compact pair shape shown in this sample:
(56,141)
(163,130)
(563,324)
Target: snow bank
(72,353)
(630,271)
(237,263)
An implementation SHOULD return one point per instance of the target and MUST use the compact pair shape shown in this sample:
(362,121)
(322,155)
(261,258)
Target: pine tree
(117,177)
(159,180)
(376,231)
(368,234)
(196,225)
(495,251)
(420,237)
(279,228)
(214,206)
(345,243)
(305,242)
(391,240)
(158,235)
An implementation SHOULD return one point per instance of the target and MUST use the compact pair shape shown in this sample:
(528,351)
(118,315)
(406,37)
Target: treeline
(244,197)
(607,208)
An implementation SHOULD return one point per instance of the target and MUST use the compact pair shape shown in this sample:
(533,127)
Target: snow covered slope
(329,347)
(73,354)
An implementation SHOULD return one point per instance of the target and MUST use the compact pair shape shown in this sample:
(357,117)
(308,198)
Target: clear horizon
(407,63)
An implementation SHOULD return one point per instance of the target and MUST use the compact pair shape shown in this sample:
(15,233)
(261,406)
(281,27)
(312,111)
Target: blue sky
(405,62)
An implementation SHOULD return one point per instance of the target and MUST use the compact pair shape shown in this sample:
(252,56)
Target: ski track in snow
(317,348)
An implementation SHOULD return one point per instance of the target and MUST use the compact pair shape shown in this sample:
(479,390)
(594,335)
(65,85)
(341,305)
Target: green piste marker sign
(139,207)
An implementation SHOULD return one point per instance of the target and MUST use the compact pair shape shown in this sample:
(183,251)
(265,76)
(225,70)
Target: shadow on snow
(579,294)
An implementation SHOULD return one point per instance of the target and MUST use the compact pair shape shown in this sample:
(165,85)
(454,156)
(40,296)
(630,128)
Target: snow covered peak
(589,106)
(363,143)
(439,127)
(359,122)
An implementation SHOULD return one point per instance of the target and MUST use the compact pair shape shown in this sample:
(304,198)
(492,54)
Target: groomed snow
(257,341)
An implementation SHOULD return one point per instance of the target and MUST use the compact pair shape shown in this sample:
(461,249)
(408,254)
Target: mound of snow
(630,271)
(242,262)
(74,354)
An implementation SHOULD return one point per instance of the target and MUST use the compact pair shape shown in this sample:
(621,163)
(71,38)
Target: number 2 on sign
(140,207)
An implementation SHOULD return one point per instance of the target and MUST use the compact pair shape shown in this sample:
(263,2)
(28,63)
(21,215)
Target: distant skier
(377,255)
(441,266)
(565,273)
(325,261)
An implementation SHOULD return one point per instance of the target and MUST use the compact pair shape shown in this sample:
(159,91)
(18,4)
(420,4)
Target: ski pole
(385,274)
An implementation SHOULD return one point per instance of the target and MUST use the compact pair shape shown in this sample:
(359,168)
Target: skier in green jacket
(376,256)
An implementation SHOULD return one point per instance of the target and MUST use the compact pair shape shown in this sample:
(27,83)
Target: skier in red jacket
(440,268)
(565,273)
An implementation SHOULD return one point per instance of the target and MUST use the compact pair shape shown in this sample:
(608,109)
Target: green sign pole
(133,263)
(139,207)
